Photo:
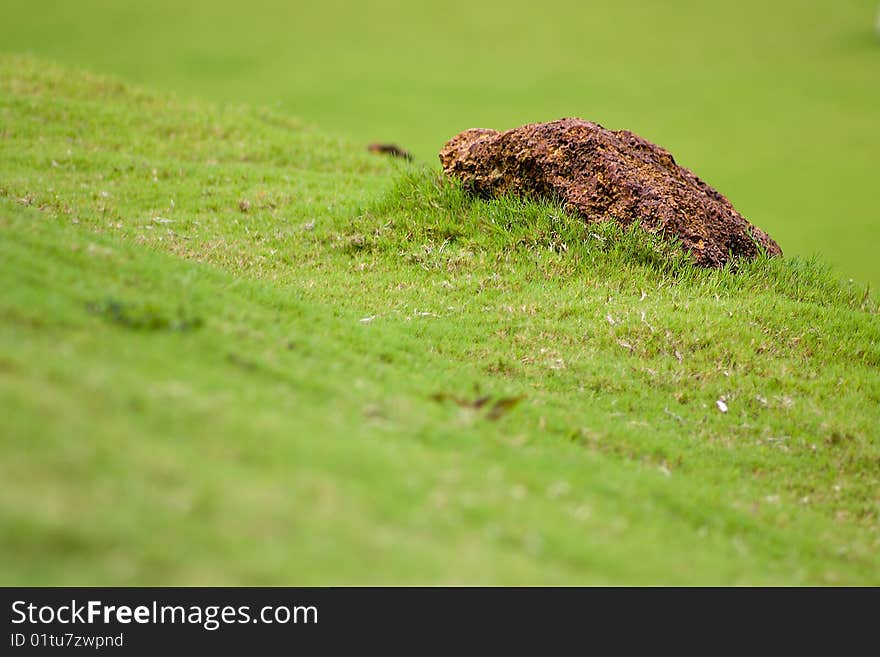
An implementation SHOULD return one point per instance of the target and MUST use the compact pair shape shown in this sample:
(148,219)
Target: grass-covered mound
(773,104)
(234,350)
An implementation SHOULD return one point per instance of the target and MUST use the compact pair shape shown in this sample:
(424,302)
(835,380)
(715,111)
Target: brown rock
(390,149)
(605,174)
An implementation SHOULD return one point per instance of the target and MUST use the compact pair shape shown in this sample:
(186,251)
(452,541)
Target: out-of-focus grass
(234,350)
(774,103)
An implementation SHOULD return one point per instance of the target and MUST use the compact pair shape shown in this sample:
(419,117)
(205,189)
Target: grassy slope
(774,103)
(286,440)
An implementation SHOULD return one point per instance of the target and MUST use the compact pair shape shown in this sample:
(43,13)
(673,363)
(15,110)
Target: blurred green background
(777,104)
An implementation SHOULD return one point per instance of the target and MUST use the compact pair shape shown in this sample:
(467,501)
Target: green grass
(775,104)
(199,390)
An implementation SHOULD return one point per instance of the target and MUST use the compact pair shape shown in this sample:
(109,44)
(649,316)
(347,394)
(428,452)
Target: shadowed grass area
(391,381)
